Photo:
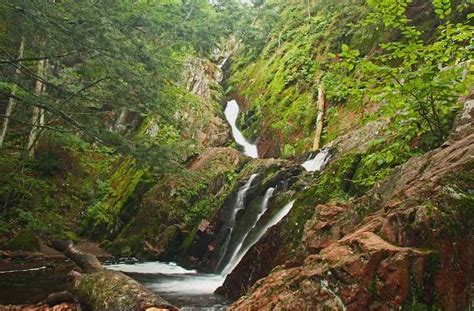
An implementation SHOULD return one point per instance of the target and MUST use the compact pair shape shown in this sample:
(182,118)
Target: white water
(273,221)
(201,284)
(187,287)
(223,62)
(238,254)
(231,113)
(318,162)
(239,205)
(151,267)
(177,284)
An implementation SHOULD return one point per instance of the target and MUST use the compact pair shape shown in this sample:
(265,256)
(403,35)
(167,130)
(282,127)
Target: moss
(102,217)
(70,235)
(175,201)
(24,241)
(280,83)
(171,239)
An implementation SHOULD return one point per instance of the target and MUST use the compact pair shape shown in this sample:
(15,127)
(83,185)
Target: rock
(464,124)
(207,245)
(323,229)
(358,140)
(267,145)
(203,78)
(407,243)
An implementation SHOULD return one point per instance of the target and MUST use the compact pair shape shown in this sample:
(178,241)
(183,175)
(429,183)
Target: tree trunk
(104,290)
(37,120)
(11,102)
(319,122)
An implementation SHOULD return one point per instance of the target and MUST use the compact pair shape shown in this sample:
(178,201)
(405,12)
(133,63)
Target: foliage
(104,59)
(113,101)
(47,195)
(417,80)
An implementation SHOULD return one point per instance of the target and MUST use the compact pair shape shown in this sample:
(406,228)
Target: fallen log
(104,290)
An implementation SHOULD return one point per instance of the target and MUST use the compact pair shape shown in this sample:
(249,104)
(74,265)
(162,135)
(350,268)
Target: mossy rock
(24,241)
(171,239)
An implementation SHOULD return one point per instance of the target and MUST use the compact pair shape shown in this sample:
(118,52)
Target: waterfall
(238,253)
(318,162)
(257,235)
(221,65)
(239,205)
(231,112)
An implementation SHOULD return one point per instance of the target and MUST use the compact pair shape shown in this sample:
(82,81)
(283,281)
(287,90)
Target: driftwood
(104,290)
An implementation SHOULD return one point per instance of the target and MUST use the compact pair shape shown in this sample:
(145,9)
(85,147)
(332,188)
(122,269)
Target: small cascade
(231,113)
(318,162)
(221,65)
(237,254)
(257,235)
(239,205)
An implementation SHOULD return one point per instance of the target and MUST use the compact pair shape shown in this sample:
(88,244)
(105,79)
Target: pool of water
(186,289)
(31,285)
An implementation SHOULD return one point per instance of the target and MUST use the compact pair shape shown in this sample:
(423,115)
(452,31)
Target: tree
(418,80)
(105,58)
(11,101)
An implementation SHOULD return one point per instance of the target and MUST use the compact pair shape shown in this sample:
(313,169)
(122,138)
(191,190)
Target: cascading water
(231,112)
(237,253)
(183,287)
(318,162)
(255,236)
(238,206)
(224,61)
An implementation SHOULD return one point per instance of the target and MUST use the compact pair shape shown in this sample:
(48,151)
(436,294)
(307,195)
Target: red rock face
(407,243)
(268,146)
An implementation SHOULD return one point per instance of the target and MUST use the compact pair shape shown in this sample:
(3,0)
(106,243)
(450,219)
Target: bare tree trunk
(37,120)
(319,122)
(11,102)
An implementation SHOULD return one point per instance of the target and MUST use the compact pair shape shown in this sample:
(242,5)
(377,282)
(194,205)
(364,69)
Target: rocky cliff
(407,243)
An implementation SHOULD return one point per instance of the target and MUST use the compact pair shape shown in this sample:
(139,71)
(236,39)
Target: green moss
(24,241)
(102,217)
(55,187)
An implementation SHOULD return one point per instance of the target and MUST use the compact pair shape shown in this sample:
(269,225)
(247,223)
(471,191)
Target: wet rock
(464,124)
(408,243)
(207,246)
